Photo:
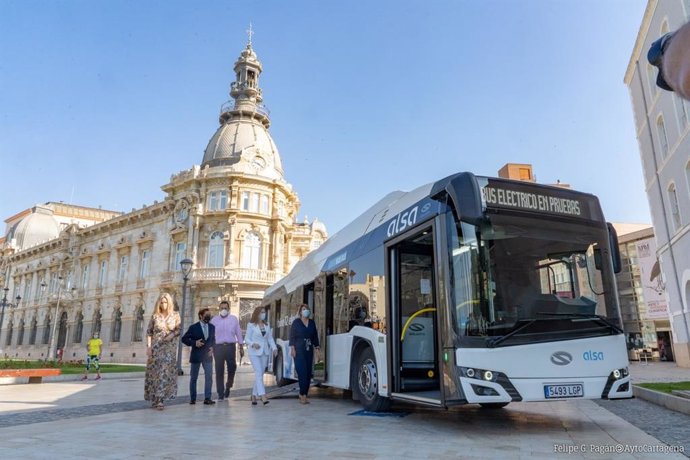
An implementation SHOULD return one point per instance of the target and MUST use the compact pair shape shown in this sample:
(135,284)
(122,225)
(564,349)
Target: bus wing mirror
(465,194)
(615,250)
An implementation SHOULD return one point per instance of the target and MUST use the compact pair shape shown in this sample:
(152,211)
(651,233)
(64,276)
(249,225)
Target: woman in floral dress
(161,367)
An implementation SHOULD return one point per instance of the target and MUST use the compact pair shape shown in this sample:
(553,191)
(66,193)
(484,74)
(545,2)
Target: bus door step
(282,391)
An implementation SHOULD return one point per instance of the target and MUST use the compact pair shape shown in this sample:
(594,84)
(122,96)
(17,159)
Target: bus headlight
(481,374)
(617,374)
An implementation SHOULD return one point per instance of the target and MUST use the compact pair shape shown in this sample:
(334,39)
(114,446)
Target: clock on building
(258,163)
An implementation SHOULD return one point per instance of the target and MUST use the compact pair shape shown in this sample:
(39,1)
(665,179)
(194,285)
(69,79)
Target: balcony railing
(230,106)
(171,277)
(252,275)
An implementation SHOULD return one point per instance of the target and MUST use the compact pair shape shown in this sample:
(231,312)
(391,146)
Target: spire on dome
(245,89)
(250,32)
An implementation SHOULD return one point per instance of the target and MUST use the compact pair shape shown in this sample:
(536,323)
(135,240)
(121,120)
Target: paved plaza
(109,420)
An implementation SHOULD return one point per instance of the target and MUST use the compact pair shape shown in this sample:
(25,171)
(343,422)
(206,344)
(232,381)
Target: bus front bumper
(502,389)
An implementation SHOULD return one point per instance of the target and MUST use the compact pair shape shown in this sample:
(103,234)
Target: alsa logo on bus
(593,355)
(402,221)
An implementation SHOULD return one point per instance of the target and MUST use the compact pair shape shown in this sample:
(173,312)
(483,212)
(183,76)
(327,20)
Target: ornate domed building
(234,216)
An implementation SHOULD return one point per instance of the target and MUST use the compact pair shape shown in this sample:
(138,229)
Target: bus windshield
(522,280)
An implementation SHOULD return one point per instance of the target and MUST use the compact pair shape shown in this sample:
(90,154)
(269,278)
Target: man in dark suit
(201,337)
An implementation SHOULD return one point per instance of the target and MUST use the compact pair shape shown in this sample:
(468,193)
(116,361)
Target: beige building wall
(662,126)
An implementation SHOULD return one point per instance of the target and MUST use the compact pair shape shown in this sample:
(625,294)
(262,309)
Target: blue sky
(100,102)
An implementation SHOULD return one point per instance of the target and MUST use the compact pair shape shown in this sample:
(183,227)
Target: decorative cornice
(641,37)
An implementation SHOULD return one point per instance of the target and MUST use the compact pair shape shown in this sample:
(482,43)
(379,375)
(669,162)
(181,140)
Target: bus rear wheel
(366,382)
(493,405)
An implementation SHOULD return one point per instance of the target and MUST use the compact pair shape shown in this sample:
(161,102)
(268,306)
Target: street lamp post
(6,304)
(186,268)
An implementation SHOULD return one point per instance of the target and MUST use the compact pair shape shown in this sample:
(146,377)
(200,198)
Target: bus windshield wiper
(497,340)
(584,315)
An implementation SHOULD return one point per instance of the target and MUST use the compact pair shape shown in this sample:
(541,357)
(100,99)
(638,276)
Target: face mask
(262,316)
(223,313)
(305,313)
(206,318)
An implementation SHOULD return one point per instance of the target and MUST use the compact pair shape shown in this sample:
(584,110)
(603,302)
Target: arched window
(46,330)
(138,331)
(651,80)
(96,323)
(675,209)
(62,330)
(663,138)
(251,251)
(79,328)
(117,326)
(681,110)
(34,330)
(20,333)
(10,327)
(216,250)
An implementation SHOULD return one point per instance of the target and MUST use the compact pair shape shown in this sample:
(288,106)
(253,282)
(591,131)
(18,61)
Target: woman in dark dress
(304,339)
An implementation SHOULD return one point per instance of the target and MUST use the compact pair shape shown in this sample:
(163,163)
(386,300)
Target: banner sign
(653,285)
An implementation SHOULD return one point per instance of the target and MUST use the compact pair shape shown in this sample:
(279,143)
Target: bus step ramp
(282,391)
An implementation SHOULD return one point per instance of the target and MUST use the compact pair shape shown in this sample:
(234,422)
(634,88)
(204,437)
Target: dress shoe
(227,392)
(192,402)
(209,402)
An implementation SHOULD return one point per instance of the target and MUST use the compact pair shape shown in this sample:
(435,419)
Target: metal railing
(258,108)
(236,274)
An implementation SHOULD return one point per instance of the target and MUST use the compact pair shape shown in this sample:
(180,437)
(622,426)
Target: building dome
(242,139)
(38,227)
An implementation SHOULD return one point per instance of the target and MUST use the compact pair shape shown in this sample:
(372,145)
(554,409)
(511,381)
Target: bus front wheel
(366,382)
(493,405)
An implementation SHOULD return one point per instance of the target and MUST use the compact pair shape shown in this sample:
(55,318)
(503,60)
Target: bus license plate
(570,390)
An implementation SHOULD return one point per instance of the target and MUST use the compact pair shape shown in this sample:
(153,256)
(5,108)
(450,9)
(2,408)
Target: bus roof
(308,268)
(399,210)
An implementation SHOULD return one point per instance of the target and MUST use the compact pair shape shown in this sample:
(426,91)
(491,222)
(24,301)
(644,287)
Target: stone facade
(662,124)
(234,216)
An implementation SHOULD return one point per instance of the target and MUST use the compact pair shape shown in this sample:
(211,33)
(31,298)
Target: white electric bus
(467,290)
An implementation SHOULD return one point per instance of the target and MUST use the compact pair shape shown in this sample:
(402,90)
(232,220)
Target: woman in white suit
(259,341)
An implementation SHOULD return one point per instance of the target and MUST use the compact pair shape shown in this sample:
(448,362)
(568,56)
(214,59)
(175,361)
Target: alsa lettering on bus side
(286,320)
(593,355)
(531,201)
(402,221)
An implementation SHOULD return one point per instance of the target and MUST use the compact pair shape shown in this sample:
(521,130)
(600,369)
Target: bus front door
(413,339)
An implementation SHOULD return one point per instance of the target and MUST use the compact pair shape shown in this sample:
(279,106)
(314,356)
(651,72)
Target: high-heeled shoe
(264,400)
(253,400)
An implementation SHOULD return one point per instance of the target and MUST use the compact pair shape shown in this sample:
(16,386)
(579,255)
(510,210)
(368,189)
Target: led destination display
(524,197)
